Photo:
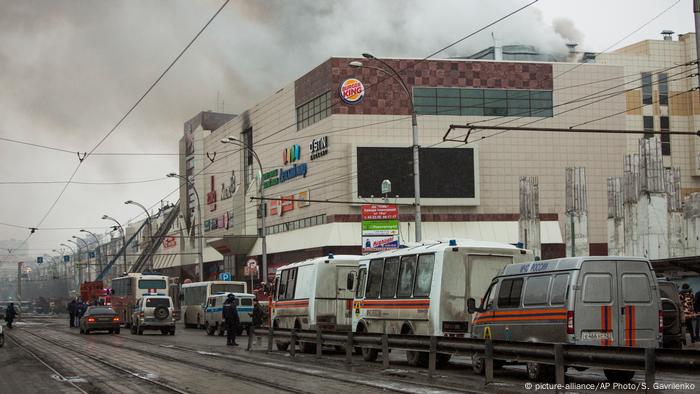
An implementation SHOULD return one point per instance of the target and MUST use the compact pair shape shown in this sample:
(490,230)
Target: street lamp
(105,217)
(87,251)
(97,243)
(60,260)
(76,265)
(150,229)
(414,125)
(261,189)
(199,213)
(65,265)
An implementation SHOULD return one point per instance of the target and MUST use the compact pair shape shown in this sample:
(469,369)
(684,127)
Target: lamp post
(77,265)
(60,253)
(97,245)
(261,190)
(199,213)
(87,251)
(64,263)
(414,126)
(150,229)
(121,229)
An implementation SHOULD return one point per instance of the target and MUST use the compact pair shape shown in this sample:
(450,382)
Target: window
(314,110)
(406,276)
(424,275)
(665,136)
(156,302)
(509,294)
(212,301)
(536,291)
(374,278)
(663,89)
(282,288)
(648,126)
(646,88)
(560,288)
(597,288)
(361,282)
(228,287)
(291,284)
(245,301)
(248,168)
(391,274)
(483,102)
(152,284)
(635,288)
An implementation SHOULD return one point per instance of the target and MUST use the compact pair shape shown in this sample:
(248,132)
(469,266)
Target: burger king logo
(352,91)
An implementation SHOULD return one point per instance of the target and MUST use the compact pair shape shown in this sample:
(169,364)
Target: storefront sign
(287,204)
(375,244)
(211,196)
(291,154)
(293,172)
(303,199)
(380,227)
(318,147)
(169,242)
(221,221)
(228,191)
(271,178)
(379,212)
(352,91)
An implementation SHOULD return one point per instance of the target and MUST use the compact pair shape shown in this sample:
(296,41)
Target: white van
(423,290)
(215,306)
(315,293)
(594,301)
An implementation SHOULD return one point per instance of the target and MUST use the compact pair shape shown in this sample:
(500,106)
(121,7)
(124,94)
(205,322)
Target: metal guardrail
(559,355)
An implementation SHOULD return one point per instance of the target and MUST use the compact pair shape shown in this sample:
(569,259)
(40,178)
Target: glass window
(490,94)
(472,93)
(496,111)
(361,282)
(156,302)
(291,284)
(245,301)
(648,126)
(152,284)
(448,102)
(429,101)
(391,274)
(518,94)
(509,293)
(424,92)
(425,110)
(374,278)
(424,275)
(635,288)
(646,88)
(541,95)
(227,287)
(597,288)
(471,111)
(101,311)
(282,290)
(447,92)
(560,288)
(665,136)
(313,111)
(406,276)
(536,290)
(663,89)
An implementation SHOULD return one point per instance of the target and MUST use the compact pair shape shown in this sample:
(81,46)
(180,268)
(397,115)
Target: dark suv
(672,311)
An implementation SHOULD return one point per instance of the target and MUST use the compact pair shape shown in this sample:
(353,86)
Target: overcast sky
(70,69)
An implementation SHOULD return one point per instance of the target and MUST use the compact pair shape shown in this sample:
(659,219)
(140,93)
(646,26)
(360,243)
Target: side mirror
(350,283)
(471,305)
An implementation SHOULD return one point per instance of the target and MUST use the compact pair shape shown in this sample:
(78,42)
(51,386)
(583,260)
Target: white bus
(127,289)
(194,296)
(423,290)
(315,293)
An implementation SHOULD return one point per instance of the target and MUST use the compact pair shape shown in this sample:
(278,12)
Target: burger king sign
(352,91)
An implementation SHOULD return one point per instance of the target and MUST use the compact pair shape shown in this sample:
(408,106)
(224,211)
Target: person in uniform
(230,317)
(72,310)
(10,314)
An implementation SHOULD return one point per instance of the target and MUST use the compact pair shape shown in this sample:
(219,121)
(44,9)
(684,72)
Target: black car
(672,311)
(100,318)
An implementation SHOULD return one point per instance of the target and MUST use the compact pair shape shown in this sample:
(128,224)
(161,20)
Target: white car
(153,312)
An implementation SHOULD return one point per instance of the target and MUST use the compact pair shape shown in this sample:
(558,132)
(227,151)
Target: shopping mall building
(327,140)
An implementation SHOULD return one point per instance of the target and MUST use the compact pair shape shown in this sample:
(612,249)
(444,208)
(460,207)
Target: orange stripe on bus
(521,318)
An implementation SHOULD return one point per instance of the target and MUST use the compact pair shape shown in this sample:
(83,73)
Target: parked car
(153,312)
(673,335)
(100,318)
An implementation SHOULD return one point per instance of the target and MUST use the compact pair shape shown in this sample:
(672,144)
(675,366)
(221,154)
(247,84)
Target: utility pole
(696,12)
(19,281)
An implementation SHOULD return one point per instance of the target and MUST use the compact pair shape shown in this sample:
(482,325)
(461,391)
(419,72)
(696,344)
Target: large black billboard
(444,172)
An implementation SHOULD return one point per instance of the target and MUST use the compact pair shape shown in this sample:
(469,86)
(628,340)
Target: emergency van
(594,301)
(215,308)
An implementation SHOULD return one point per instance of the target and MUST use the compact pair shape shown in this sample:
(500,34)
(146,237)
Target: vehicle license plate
(596,335)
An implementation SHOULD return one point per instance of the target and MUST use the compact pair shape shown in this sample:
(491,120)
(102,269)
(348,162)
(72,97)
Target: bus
(127,289)
(315,293)
(423,290)
(194,296)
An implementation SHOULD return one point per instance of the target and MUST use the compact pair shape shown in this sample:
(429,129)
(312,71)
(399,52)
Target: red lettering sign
(379,211)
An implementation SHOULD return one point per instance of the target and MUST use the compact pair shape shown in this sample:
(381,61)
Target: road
(43,355)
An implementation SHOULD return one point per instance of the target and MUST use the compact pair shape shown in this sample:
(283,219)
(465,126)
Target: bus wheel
(210,329)
(308,347)
(369,354)
(442,359)
(537,372)
(478,365)
(617,376)
(416,359)
(282,346)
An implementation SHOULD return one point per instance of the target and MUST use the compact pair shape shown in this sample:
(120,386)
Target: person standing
(72,308)
(80,311)
(230,317)
(10,314)
(697,315)
(688,301)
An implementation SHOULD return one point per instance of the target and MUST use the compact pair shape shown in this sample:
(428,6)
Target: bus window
(361,282)
(152,284)
(560,285)
(283,285)
(407,276)
(536,289)
(391,274)
(227,287)
(374,278)
(424,275)
(291,284)
(487,301)
(509,294)
(212,301)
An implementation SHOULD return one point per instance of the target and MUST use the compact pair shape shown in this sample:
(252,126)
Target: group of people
(691,311)
(229,315)
(76,309)
(10,314)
